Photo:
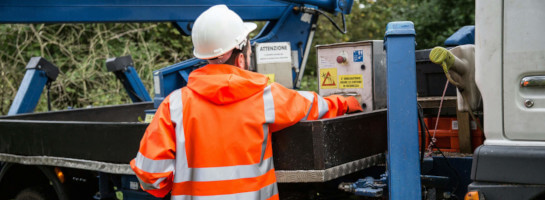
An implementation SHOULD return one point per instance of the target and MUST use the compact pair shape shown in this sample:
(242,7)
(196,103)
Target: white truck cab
(510,75)
(510,49)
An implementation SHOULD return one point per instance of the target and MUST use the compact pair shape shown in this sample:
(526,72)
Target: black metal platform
(107,138)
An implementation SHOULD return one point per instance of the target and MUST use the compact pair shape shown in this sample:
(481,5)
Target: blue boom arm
(123,69)
(39,73)
(290,20)
(70,11)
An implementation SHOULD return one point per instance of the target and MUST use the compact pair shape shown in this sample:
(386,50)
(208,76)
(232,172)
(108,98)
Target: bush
(80,52)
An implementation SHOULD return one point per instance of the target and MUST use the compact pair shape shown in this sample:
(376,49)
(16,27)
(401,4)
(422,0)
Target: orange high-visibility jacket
(210,140)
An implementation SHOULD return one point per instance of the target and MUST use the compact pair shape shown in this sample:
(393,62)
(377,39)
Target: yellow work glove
(445,58)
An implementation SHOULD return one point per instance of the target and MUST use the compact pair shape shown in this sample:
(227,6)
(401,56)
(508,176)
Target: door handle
(533,81)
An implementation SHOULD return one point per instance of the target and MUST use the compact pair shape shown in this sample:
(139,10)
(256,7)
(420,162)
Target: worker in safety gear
(211,139)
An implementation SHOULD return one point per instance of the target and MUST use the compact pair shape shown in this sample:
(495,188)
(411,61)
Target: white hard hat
(217,31)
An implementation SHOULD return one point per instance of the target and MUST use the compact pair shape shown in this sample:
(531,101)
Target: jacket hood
(224,84)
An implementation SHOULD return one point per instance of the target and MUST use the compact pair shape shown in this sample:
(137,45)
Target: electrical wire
(422,134)
(312,11)
(457,184)
(432,139)
(333,22)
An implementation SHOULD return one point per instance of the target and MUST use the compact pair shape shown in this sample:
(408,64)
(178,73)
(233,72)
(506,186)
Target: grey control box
(354,69)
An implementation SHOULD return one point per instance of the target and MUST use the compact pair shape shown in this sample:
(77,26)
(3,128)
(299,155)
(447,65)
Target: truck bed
(106,138)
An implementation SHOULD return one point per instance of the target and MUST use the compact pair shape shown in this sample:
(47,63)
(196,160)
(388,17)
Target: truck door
(524,69)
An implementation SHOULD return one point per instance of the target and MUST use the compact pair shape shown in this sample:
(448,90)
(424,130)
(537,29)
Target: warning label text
(351,81)
(273,52)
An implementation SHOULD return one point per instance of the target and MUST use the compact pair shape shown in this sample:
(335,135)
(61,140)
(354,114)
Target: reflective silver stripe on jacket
(309,96)
(268,104)
(153,166)
(157,166)
(323,107)
(262,194)
(322,103)
(225,173)
(153,186)
(183,173)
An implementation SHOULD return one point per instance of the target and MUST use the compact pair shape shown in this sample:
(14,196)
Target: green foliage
(434,21)
(80,50)
(309,82)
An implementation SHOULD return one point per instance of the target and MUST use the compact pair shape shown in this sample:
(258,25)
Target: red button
(341,59)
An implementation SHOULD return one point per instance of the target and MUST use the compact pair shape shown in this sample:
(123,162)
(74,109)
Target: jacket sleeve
(154,163)
(293,106)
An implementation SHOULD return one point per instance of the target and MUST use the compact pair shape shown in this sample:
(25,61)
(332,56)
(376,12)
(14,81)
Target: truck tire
(35,193)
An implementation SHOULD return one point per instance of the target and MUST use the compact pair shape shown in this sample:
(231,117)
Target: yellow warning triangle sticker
(328,80)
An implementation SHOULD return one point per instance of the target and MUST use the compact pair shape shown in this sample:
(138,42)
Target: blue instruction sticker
(358,55)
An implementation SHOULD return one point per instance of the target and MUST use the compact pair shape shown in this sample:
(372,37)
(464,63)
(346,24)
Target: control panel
(354,69)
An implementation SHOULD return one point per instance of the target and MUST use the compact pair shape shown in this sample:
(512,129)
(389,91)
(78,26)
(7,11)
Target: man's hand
(353,105)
